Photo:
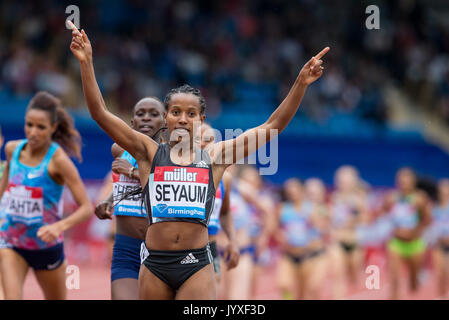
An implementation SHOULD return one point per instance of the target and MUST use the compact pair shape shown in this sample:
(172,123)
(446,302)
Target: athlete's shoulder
(10,146)
(60,157)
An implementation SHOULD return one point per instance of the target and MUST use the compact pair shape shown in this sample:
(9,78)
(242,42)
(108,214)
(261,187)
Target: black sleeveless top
(179,193)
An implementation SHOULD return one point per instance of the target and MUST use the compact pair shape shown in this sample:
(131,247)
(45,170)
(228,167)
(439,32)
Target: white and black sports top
(179,193)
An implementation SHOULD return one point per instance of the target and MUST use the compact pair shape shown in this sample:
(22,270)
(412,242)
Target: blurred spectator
(143,49)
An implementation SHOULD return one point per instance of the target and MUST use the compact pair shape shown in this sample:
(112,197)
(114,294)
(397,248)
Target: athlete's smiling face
(38,128)
(183,110)
(148,116)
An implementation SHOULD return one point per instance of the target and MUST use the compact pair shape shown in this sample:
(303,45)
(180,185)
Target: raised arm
(230,151)
(136,143)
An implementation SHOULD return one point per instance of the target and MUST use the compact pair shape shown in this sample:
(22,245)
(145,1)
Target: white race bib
(179,192)
(25,204)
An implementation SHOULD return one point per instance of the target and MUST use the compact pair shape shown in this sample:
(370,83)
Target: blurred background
(381,104)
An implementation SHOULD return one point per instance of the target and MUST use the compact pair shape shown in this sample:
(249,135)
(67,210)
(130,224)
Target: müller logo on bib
(123,178)
(187,174)
(179,192)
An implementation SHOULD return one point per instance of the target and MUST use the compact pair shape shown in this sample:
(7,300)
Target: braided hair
(186,89)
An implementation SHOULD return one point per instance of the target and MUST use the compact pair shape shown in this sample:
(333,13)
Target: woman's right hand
(80,46)
(104,210)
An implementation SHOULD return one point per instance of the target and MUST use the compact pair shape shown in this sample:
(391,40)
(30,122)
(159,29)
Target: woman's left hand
(49,233)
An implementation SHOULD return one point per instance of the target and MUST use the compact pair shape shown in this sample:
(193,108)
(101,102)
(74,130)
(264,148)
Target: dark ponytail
(65,134)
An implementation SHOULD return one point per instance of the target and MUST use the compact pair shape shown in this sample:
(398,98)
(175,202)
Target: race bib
(25,204)
(179,192)
(132,205)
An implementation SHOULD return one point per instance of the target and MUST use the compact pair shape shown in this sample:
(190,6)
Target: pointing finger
(72,25)
(322,53)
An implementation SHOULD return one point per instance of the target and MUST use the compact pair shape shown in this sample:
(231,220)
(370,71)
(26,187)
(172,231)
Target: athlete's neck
(297,203)
(406,193)
(38,152)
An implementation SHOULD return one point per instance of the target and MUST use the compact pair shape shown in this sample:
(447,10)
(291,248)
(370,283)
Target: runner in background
(293,237)
(411,214)
(348,206)
(302,222)
(38,168)
(374,229)
(261,221)
(440,230)
(221,218)
(317,262)
(131,219)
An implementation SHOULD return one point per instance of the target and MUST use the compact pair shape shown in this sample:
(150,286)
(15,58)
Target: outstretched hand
(80,46)
(313,69)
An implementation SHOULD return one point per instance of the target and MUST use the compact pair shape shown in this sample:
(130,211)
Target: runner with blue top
(131,216)
(295,237)
(37,170)
(250,209)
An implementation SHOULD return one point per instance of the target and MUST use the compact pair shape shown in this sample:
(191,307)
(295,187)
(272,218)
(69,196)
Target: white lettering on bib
(25,204)
(179,192)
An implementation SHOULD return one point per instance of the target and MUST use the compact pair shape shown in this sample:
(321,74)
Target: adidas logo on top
(190,258)
(202,164)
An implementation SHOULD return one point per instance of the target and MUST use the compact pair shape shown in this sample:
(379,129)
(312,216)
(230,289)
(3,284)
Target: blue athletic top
(214,221)
(404,212)
(342,212)
(244,215)
(33,200)
(130,206)
(296,224)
